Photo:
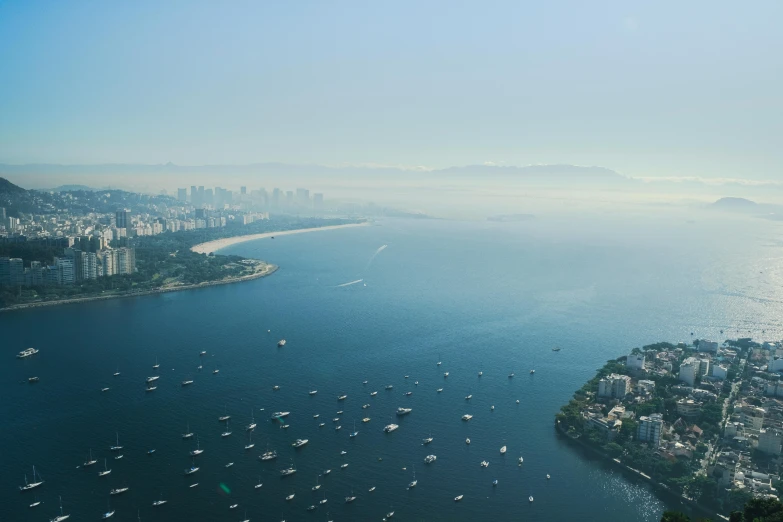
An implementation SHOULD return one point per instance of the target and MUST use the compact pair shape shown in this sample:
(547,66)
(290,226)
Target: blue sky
(647,88)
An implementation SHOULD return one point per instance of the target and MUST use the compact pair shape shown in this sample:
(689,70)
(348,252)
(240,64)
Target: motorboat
(193,485)
(532,372)
(408,394)
(233,506)
(26,353)
(337,428)
(458,498)
(118,457)
(446,374)
(159,502)
(275,387)
(426,441)
(299,443)
(371,489)
(290,497)
(530,498)
(520,460)
(484,464)
(503,450)
(343,466)
(350,498)
(467,417)
(187,383)
(365,406)
(468,397)
(288,471)
(389,387)
(280,414)
(118,491)
(321,425)
(313,392)
(281,343)
(151,451)
(203,352)
(342,397)
(480,374)
(373,394)
(495,482)
(439,390)
(316,415)
(404,411)
(215,371)
(511,375)
(268,455)
(104,390)
(229,464)
(366,419)
(33,379)
(547,476)
(429,459)
(390,428)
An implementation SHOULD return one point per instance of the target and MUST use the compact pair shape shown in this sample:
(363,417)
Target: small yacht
(198,450)
(316,415)
(233,506)
(336,419)
(458,498)
(495,482)
(151,388)
(429,459)
(118,491)
(389,387)
(364,382)
(229,464)
(159,502)
(188,434)
(390,428)
(532,372)
(290,497)
(404,411)
(193,468)
(250,443)
(33,484)
(321,425)
(391,513)
(336,428)
(467,417)
(426,441)
(484,464)
(203,352)
(365,406)
(259,485)
(342,397)
(323,501)
(33,379)
(90,461)
(26,353)
(104,390)
(117,446)
(503,450)
(371,489)
(366,419)
(61,516)
(468,397)
(156,365)
(153,378)
(520,460)
(373,394)
(118,457)
(225,416)
(275,387)
(480,374)
(446,374)
(340,412)
(151,451)
(288,471)
(193,485)
(117,373)
(215,371)
(408,394)
(268,455)
(280,414)
(186,383)
(510,375)
(530,498)
(467,441)
(350,498)
(439,390)
(299,443)
(281,343)
(227,432)
(313,392)
(252,424)
(327,471)
(36,503)
(413,482)
(317,485)
(343,466)
(105,471)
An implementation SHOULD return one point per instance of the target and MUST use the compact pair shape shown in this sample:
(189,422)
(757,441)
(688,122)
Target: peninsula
(701,420)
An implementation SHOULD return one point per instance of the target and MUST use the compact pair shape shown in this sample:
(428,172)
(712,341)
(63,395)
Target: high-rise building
(289,197)
(770,441)
(65,270)
(650,429)
(2,214)
(89,265)
(182,194)
(126,260)
(193,195)
(13,223)
(122,219)
(276,196)
(243,190)
(614,386)
(36,274)
(200,195)
(635,361)
(108,262)
(303,197)
(689,369)
(208,198)
(5,271)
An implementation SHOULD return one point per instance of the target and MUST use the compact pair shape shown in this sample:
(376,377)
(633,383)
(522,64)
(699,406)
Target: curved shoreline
(218,244)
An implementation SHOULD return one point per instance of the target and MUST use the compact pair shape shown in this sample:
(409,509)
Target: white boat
(416,383)
(118,457)
(517,401)
(199,367)
(521,460)
(336,419)
(188,434)
(203,352)
(233,506)
(350,498)
(198,450)
(484,464)
(340,412)
(285,426)
(547,476)
(259,485)
(225,416)
(492,408)
(530,498)
(313,392)
(159,502)
(323,501)
(316,415)
(468,397)
(458,498)
(404,411)
(408,394)
(153,378)
(250,443)
(281,343)
(354,433)
(288,471)
(193,485)
(343,452)
(36,503)
(495,482)
(26,353)
(299,443)
(467,417)
(275,387)
(215,371)
(290,497)
(343,466)
(104,390)
(371,489)
(390,428)
(105,471)
(391,513)
(503,450)
(280,415)
(413,483)
(532,372)
(364,382)
(365,406)
(467,441)
(510,375)
(366,419)
(90,461)
(446,374)
(426,441)
(186,383)
(480,374)
(31,485)
(193,468)
(117,373)
(229,464)
(389,387)
(118,491)
(61,516)
(268,455)
(317,484)
(327,471)
(156,365)
(226,433)
(439,390)
(33,379)
(429,459)
(151,388)
(342,397)
(373,394)
(252,424)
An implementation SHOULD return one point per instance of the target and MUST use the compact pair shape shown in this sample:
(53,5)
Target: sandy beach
(214,246)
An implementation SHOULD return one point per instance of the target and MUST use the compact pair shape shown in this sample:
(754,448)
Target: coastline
(213,246)
(264,270)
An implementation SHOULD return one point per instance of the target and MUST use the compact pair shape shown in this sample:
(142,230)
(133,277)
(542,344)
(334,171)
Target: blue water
(477,296)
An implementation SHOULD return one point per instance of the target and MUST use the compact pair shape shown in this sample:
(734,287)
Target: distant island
(701,421)
(735,205)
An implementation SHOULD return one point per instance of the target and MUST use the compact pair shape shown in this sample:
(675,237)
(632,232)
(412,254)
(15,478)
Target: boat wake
(351,283)
(381,249)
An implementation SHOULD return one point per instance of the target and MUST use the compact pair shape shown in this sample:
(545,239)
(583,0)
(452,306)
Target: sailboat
(156,365)
(249,444)
(439,362)
(116,447)
(31,485)
(198,450)
(159,502)
(193,467)
(246,519)
(188,434)
(36,503)
(225,416)
(354,433)
(350,498)
(259,484)
(227,432)
(317,484)
(90,461)
(414,481)
(61,516)
(117,372)
(109,511)
(105,471)
(252,424)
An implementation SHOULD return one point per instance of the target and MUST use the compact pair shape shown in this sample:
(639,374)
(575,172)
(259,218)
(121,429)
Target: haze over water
(494,297)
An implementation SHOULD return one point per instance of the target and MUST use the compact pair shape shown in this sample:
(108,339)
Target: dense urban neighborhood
(701,419)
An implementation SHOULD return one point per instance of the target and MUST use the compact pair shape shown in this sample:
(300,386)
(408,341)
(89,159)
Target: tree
(614,449)
(675,516)
(764,509)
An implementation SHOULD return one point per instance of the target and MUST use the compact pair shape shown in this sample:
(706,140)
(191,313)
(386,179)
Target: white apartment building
(635,362)
(770,441)
(614,386)
(650,429)
(689,369)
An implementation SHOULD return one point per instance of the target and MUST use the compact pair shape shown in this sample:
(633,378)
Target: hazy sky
(647,88)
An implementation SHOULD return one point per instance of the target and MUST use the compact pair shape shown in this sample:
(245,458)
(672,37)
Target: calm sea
(488,297)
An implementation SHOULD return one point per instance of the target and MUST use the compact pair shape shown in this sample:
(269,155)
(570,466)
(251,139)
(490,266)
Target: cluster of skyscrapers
(276,200)
(74,266)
